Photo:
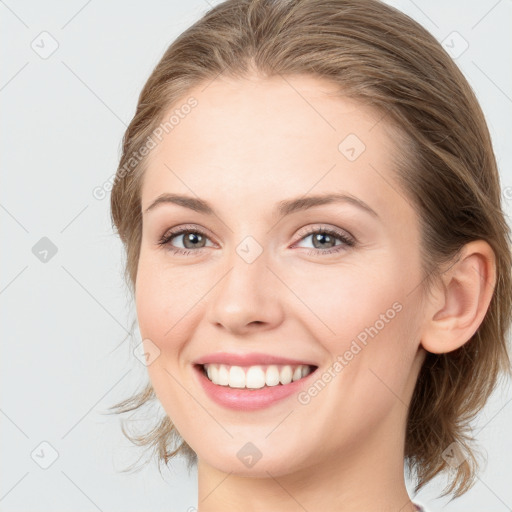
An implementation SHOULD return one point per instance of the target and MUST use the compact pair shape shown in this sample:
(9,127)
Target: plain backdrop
(70,78)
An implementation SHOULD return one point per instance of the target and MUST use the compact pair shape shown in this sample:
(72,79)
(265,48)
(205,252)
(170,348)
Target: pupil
(319,237)
(191,238)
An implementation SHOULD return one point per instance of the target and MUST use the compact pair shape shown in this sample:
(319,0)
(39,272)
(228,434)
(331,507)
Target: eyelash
(347,241)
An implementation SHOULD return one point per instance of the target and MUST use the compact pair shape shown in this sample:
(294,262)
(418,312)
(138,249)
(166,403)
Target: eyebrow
(283,208)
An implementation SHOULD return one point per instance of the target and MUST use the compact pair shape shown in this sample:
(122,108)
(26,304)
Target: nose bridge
(245,293)
(247,273)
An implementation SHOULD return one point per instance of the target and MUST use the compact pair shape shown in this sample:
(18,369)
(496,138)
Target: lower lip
(249,399)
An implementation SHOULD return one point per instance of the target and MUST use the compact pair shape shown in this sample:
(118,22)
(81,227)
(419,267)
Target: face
(331,284)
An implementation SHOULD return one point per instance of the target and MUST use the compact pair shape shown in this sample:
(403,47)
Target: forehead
(272,138)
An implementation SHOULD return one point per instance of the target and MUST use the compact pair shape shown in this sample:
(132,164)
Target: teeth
(254,377)
(236,377)
(285,375)
(297,374)
(223,376)
(272,376)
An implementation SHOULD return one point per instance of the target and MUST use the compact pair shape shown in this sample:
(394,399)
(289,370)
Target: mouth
(255,376)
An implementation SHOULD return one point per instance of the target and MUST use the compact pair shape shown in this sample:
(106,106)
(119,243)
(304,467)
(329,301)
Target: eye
(324,240)
(192,238)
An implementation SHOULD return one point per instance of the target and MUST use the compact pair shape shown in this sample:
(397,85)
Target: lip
(250,359)
(244,399)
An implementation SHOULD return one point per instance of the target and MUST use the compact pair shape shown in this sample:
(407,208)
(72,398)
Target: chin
(272,465)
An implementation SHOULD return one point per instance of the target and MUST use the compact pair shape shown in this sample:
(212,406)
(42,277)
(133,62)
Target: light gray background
(64,360)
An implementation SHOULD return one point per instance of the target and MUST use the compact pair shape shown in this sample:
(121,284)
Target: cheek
(152,304)
(165,310)
(345,302)
(367,322)
(169,305)
(164,299)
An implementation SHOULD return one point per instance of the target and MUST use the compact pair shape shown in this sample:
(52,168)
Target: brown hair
(377,55)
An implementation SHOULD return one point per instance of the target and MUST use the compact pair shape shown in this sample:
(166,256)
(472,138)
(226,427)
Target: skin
(246,146)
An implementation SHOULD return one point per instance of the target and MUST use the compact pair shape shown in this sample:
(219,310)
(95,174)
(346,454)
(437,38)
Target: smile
(257,376)
(230,386)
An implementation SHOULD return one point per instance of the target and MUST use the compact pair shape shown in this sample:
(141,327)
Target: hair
(376,54)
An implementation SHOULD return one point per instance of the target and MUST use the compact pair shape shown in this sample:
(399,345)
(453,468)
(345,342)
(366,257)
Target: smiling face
(261,275)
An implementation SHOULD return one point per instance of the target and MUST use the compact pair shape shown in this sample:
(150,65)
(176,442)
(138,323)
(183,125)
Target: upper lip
(250,359)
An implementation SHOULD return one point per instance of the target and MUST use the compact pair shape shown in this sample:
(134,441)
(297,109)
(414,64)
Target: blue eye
(196,240)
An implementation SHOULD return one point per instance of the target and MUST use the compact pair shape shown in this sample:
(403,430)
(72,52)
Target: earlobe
(458,304)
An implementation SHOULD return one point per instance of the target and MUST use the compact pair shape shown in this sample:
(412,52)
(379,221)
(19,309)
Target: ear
(458,304)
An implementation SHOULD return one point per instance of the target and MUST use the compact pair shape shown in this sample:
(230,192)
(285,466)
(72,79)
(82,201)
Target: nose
(246,297)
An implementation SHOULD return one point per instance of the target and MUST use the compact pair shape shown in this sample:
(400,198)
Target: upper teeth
(255,376)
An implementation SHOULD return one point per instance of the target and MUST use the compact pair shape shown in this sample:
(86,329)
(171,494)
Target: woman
(346,305)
